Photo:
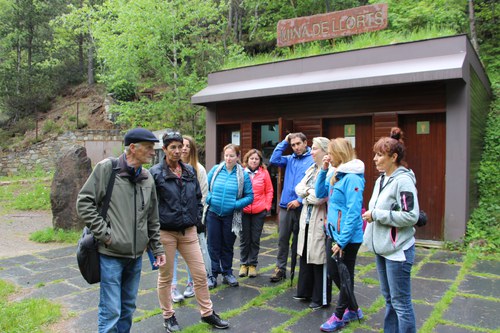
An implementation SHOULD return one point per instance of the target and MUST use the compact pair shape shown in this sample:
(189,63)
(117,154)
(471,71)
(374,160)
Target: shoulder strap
(109,189)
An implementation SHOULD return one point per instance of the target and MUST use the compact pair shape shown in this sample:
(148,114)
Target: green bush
(50,126)
(123,90)
(483,229)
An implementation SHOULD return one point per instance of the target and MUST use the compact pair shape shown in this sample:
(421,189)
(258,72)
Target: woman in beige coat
(313,284)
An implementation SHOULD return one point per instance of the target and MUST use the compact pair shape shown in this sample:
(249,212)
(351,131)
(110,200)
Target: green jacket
(132,220)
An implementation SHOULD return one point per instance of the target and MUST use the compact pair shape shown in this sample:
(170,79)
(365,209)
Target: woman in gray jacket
(392,212)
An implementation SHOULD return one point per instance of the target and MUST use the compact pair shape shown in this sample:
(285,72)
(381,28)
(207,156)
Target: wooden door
(361,128)
(426,156)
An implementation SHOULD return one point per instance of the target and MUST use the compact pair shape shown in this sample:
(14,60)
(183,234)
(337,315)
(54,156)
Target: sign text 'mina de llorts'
(331,25)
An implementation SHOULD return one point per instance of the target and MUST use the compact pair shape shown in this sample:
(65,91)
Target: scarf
(240,177)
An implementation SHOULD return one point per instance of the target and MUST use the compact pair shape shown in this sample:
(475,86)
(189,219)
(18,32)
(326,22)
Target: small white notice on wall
(352,140)
(235,138)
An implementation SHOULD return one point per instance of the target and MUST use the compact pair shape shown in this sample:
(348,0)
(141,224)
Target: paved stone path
(448,296)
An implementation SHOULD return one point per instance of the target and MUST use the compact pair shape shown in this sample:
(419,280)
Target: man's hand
(160,260)
(293,205)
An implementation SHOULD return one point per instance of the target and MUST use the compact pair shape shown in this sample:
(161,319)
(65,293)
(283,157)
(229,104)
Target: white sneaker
(176,295)
(189,291)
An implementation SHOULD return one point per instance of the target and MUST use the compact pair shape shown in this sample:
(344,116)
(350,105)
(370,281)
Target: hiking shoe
(176,295)
(230,280)
(171,324)
(315,306)
(215,321)
(212,282)
(252,271)
(333,324)
(189,291)
(301,298)
(243,271)
(278,275)
(350,315)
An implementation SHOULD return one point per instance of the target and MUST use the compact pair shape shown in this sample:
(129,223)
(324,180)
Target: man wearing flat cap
(130,227)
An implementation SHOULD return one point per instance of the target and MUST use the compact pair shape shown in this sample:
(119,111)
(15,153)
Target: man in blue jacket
(290,204)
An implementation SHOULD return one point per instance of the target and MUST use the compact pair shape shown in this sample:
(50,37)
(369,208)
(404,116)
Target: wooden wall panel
(311,127)
(426,156)
(246,137)
(405,98)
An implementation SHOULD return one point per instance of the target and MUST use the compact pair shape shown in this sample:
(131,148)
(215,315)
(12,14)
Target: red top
(262,191)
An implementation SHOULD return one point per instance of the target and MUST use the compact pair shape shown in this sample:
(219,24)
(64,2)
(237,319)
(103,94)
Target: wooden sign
(331,25)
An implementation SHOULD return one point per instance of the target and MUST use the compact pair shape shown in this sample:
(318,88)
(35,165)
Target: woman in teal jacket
(344,189)
(229,191)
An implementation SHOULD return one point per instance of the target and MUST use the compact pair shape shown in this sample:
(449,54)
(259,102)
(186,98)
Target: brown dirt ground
(16,227)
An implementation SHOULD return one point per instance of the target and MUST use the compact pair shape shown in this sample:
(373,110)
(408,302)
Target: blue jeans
(119,286)
(395,284)
(220,243)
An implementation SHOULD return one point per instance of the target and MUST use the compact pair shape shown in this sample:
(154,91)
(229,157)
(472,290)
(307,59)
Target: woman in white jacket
(392,212)
(313,284)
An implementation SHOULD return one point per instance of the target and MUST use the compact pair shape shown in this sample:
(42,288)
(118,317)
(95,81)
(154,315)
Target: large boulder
(72,170)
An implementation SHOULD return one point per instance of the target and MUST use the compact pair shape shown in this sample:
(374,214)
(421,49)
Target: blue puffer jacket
(345,201)
(222,197)
(296,167)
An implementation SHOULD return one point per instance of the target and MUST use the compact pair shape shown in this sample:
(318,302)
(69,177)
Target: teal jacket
(222,198)
(345,201)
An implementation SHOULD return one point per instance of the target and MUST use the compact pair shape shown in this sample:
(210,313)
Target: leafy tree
(174,44)
(27,79)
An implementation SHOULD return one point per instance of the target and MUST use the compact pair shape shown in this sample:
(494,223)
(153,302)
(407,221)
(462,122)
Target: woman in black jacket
(180,209)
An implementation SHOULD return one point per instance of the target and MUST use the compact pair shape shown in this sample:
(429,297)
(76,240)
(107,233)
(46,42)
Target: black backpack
(87,253)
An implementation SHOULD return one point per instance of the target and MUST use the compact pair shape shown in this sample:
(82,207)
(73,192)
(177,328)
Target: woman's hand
(326,162)
(367,216)
(337,249)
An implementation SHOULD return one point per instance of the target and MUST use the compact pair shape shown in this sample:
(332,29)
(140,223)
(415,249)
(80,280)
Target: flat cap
(139,135)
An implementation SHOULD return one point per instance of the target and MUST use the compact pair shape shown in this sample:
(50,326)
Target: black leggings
(349,258)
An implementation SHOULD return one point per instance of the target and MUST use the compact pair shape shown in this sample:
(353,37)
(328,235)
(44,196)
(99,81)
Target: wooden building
(436,90)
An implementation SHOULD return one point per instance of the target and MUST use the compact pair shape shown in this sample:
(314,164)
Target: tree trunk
(81,58)
(472,24)
(90,65)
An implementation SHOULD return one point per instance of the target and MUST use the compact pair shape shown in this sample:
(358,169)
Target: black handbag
(87,254)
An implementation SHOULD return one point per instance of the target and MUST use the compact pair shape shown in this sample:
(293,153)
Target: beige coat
(316,253)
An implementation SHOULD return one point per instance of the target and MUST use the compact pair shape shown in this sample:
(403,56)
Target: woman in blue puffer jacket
(229,191)
(344,189)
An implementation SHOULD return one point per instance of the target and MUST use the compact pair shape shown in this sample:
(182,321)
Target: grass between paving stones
(28,315)
(440,307)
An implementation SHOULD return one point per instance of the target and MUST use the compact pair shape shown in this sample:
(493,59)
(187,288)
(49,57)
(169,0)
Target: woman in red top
(255,213)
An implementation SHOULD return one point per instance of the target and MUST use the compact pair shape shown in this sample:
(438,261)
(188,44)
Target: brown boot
(252,271)
(243,271)
(278,275)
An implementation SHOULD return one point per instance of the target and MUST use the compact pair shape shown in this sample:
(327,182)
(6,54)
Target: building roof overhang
(423,61)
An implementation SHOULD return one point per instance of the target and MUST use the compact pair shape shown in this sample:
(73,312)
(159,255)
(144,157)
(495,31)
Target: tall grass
(362,41)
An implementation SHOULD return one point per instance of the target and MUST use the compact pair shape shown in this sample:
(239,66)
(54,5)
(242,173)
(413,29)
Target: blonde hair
(341,150)
(193,152)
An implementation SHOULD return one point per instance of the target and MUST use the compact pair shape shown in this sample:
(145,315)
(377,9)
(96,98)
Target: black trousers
(313,279)
(251,230)
(350,253)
